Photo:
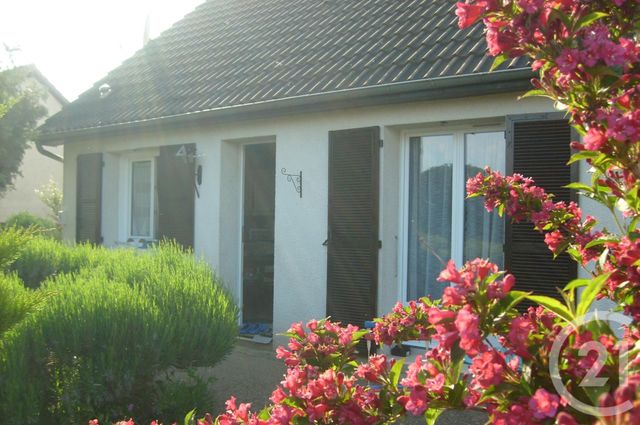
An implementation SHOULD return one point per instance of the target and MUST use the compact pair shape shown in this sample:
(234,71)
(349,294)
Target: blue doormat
(252,329)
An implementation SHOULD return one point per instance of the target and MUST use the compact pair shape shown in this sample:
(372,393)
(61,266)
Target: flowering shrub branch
(482,352)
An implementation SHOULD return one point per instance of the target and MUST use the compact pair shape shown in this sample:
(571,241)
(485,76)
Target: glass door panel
(429,221)
(483,231)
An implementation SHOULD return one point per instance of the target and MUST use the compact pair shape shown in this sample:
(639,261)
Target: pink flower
(317,411)
(499,41)
(554,240)
(519,331)
(312,325)
(297,329)
(531,6)
(468,14)
(436,384)
(499,289)
(487,369)
(452,296)
(450,273)
(436,315)
(568,60)
(543,404)
(416,402)
(565,419)
(467,325)
(374,369)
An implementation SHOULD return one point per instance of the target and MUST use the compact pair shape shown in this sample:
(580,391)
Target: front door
(257,234)
(352,244)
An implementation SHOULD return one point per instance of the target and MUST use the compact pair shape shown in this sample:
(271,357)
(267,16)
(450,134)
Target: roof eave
(409,91)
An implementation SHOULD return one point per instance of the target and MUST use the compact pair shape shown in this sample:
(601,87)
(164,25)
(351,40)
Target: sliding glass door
(441,224)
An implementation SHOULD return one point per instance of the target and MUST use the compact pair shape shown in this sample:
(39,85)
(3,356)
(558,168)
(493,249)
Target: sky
(74,43)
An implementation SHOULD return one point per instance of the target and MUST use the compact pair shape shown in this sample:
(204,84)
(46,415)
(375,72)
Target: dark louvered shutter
(89,198)
(352,254)
(538,147)
(175,177)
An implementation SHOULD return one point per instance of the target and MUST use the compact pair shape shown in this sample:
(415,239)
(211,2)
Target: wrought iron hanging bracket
(295,179)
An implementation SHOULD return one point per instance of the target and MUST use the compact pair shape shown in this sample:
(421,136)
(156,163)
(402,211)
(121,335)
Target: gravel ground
(251,372)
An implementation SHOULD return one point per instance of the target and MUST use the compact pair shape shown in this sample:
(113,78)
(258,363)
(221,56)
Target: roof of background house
(34,72)
(228,54)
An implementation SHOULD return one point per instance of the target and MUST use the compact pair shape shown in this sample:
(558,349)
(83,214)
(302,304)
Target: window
(141,199)
(440,223)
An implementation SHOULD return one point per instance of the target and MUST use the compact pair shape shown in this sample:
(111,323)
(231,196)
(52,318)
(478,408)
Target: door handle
(326,242)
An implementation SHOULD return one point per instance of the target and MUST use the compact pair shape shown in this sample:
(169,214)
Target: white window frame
(458,185)
(126,189)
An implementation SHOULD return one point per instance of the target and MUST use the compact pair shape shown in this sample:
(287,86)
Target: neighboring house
(314,152)
(37,169)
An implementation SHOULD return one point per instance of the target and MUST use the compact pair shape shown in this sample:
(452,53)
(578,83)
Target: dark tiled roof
(236,52)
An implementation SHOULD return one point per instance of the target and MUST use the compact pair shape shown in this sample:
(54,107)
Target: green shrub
(16,302)
(44,226)
(13,242)
(44,258)
(120,318)
(176,394)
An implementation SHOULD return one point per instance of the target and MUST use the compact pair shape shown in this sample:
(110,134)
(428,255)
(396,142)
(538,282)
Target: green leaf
(600,327)
(601,71)
(594,393)
(600,241)
(456,395)
(264,414)
(589,19)
(634,223)
(558,14)
(432,414)
(510,300)
(583,155)
(357,335)
(534,92)
(580,186)
(576,283)
(189,417)
(553,305)
(498,61)
(575,254)
(590,293)
(457,361)
(396,372)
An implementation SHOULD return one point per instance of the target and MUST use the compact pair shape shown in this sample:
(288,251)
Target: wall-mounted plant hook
(296,179)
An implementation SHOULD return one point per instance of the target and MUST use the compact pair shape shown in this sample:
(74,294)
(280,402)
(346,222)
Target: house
(313,152)
(37,169)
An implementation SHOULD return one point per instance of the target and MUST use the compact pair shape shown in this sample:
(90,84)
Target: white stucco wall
(300,223)
(36,170)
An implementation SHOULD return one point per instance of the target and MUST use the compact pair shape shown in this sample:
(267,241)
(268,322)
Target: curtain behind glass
(141,198)
(430,192)
(483,231)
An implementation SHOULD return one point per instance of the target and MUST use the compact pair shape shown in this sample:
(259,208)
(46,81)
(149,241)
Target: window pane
(430,191)
(141,198)
(483,231)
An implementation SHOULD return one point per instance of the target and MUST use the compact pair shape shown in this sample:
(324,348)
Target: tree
(20,110)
